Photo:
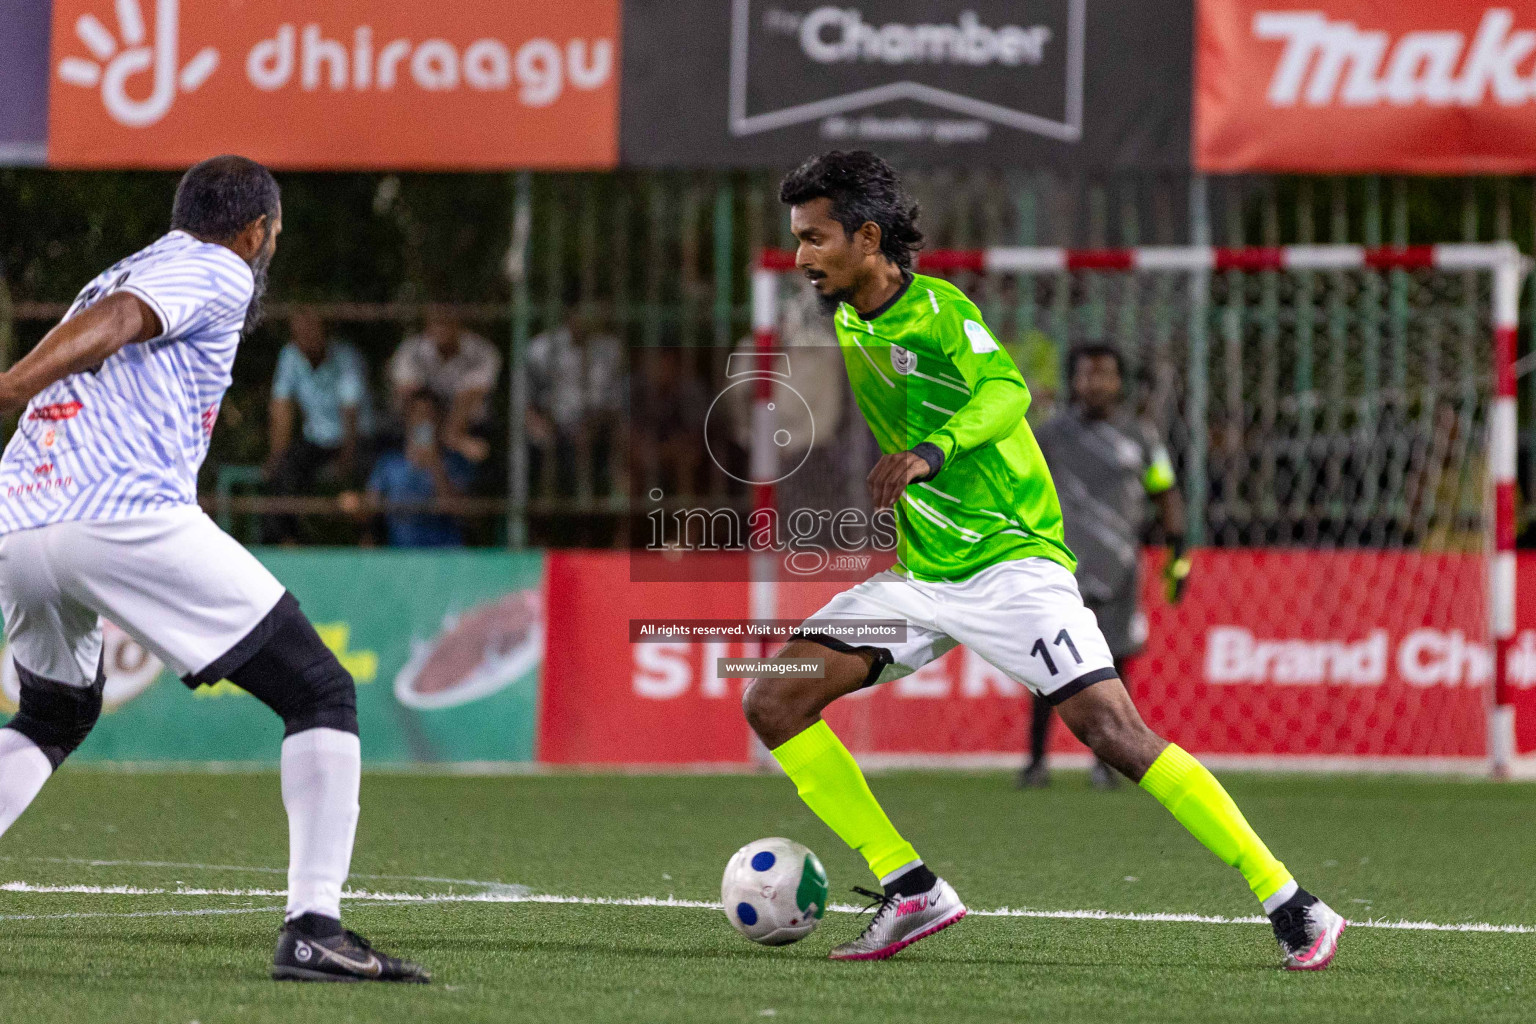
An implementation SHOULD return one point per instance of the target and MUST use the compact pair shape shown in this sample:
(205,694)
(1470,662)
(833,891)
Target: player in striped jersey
(99,518)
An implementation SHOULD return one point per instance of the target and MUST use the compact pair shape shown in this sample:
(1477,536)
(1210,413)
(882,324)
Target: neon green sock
(831,784)
(1193,796)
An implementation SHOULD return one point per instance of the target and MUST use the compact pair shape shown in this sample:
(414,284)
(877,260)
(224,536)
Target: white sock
(1281,897)
(909,866)
(321,770)
(23,770)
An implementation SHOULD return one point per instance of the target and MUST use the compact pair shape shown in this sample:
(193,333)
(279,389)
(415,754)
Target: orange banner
(458,84)
(1328,86)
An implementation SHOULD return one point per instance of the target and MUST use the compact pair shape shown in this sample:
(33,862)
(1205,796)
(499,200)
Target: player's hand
(891,476)
(1176,576)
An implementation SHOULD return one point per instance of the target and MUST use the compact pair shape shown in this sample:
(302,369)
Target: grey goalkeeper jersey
(1104,472)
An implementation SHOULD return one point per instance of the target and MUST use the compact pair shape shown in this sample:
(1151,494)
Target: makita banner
(1352,86)
(334,83)
(1096,84)
(1273,654)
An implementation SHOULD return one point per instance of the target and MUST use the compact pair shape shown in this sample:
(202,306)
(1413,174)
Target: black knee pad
(56,716)
(882,656)
(283,664)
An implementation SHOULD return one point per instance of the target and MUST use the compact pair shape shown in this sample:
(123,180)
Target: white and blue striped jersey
(129,436)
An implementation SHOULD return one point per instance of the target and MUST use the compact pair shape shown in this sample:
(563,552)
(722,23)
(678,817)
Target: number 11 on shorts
(1044,652)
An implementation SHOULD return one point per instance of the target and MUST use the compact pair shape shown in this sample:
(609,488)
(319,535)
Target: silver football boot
(900,921)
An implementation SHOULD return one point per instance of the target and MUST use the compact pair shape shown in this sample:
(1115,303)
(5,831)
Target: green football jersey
(926,368)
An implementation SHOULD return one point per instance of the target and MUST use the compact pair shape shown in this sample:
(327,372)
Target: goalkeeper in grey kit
(1110,471)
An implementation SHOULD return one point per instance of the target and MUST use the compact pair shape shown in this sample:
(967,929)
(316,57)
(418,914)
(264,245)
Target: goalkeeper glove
(1176,572)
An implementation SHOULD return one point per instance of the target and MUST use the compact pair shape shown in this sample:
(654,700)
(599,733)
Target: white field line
(654,901)
(200,912)
(193,866)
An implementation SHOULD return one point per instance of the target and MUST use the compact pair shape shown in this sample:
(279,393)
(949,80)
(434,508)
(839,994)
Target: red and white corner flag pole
(1502,445)
(765,338)
(763,567)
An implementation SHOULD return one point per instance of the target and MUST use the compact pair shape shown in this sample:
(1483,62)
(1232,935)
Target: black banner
(1090,84)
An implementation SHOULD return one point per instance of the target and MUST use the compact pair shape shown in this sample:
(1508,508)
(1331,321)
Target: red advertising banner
(1522,656)
(1356,86)
(608,701)
(335,83)
(1273,654)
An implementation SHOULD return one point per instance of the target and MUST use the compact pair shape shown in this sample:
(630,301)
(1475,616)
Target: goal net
(1341,422)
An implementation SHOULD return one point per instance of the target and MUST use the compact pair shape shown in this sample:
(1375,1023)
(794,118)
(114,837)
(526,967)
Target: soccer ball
(774,891)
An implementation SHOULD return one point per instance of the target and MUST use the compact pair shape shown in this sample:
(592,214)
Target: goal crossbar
(1501,260)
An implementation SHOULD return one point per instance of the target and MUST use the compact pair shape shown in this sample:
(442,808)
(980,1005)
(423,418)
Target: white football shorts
(1024,616)
(175,582)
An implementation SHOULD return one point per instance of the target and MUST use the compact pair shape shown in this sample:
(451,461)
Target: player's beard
(829,301)
(254,311)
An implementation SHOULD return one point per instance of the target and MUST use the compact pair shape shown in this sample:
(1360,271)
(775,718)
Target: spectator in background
(576,401)
(323,384)
(425,470)
(667,410)
(1110,470)
(460,368)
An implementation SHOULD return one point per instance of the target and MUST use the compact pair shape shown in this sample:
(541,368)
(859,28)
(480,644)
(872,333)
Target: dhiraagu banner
(446,649)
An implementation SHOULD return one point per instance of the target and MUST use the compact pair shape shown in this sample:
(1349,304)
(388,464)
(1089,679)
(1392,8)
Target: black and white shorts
(184,589)
(1025,616)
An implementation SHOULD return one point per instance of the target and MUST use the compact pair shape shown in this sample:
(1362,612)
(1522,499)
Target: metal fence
(662,258)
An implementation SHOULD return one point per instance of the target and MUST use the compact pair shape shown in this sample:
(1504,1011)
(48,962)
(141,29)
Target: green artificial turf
(1381,848)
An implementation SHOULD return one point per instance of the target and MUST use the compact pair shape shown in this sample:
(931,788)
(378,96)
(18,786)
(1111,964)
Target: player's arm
(474,389)
(79,343)
(999,397)
(998,401)
(456,427)
(1170,512)
(348,453)
(280,418)
(282,409)
(1159,483)
(353,389)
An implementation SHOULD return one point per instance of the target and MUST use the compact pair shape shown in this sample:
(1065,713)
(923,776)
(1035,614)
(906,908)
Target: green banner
(446,648)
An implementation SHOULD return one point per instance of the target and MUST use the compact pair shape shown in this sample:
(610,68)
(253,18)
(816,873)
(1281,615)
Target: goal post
(1347,406)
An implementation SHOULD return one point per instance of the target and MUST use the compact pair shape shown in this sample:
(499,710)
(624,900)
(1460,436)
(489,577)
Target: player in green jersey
(981,561)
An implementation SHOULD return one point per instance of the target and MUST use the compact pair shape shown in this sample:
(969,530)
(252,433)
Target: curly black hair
(862,188)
